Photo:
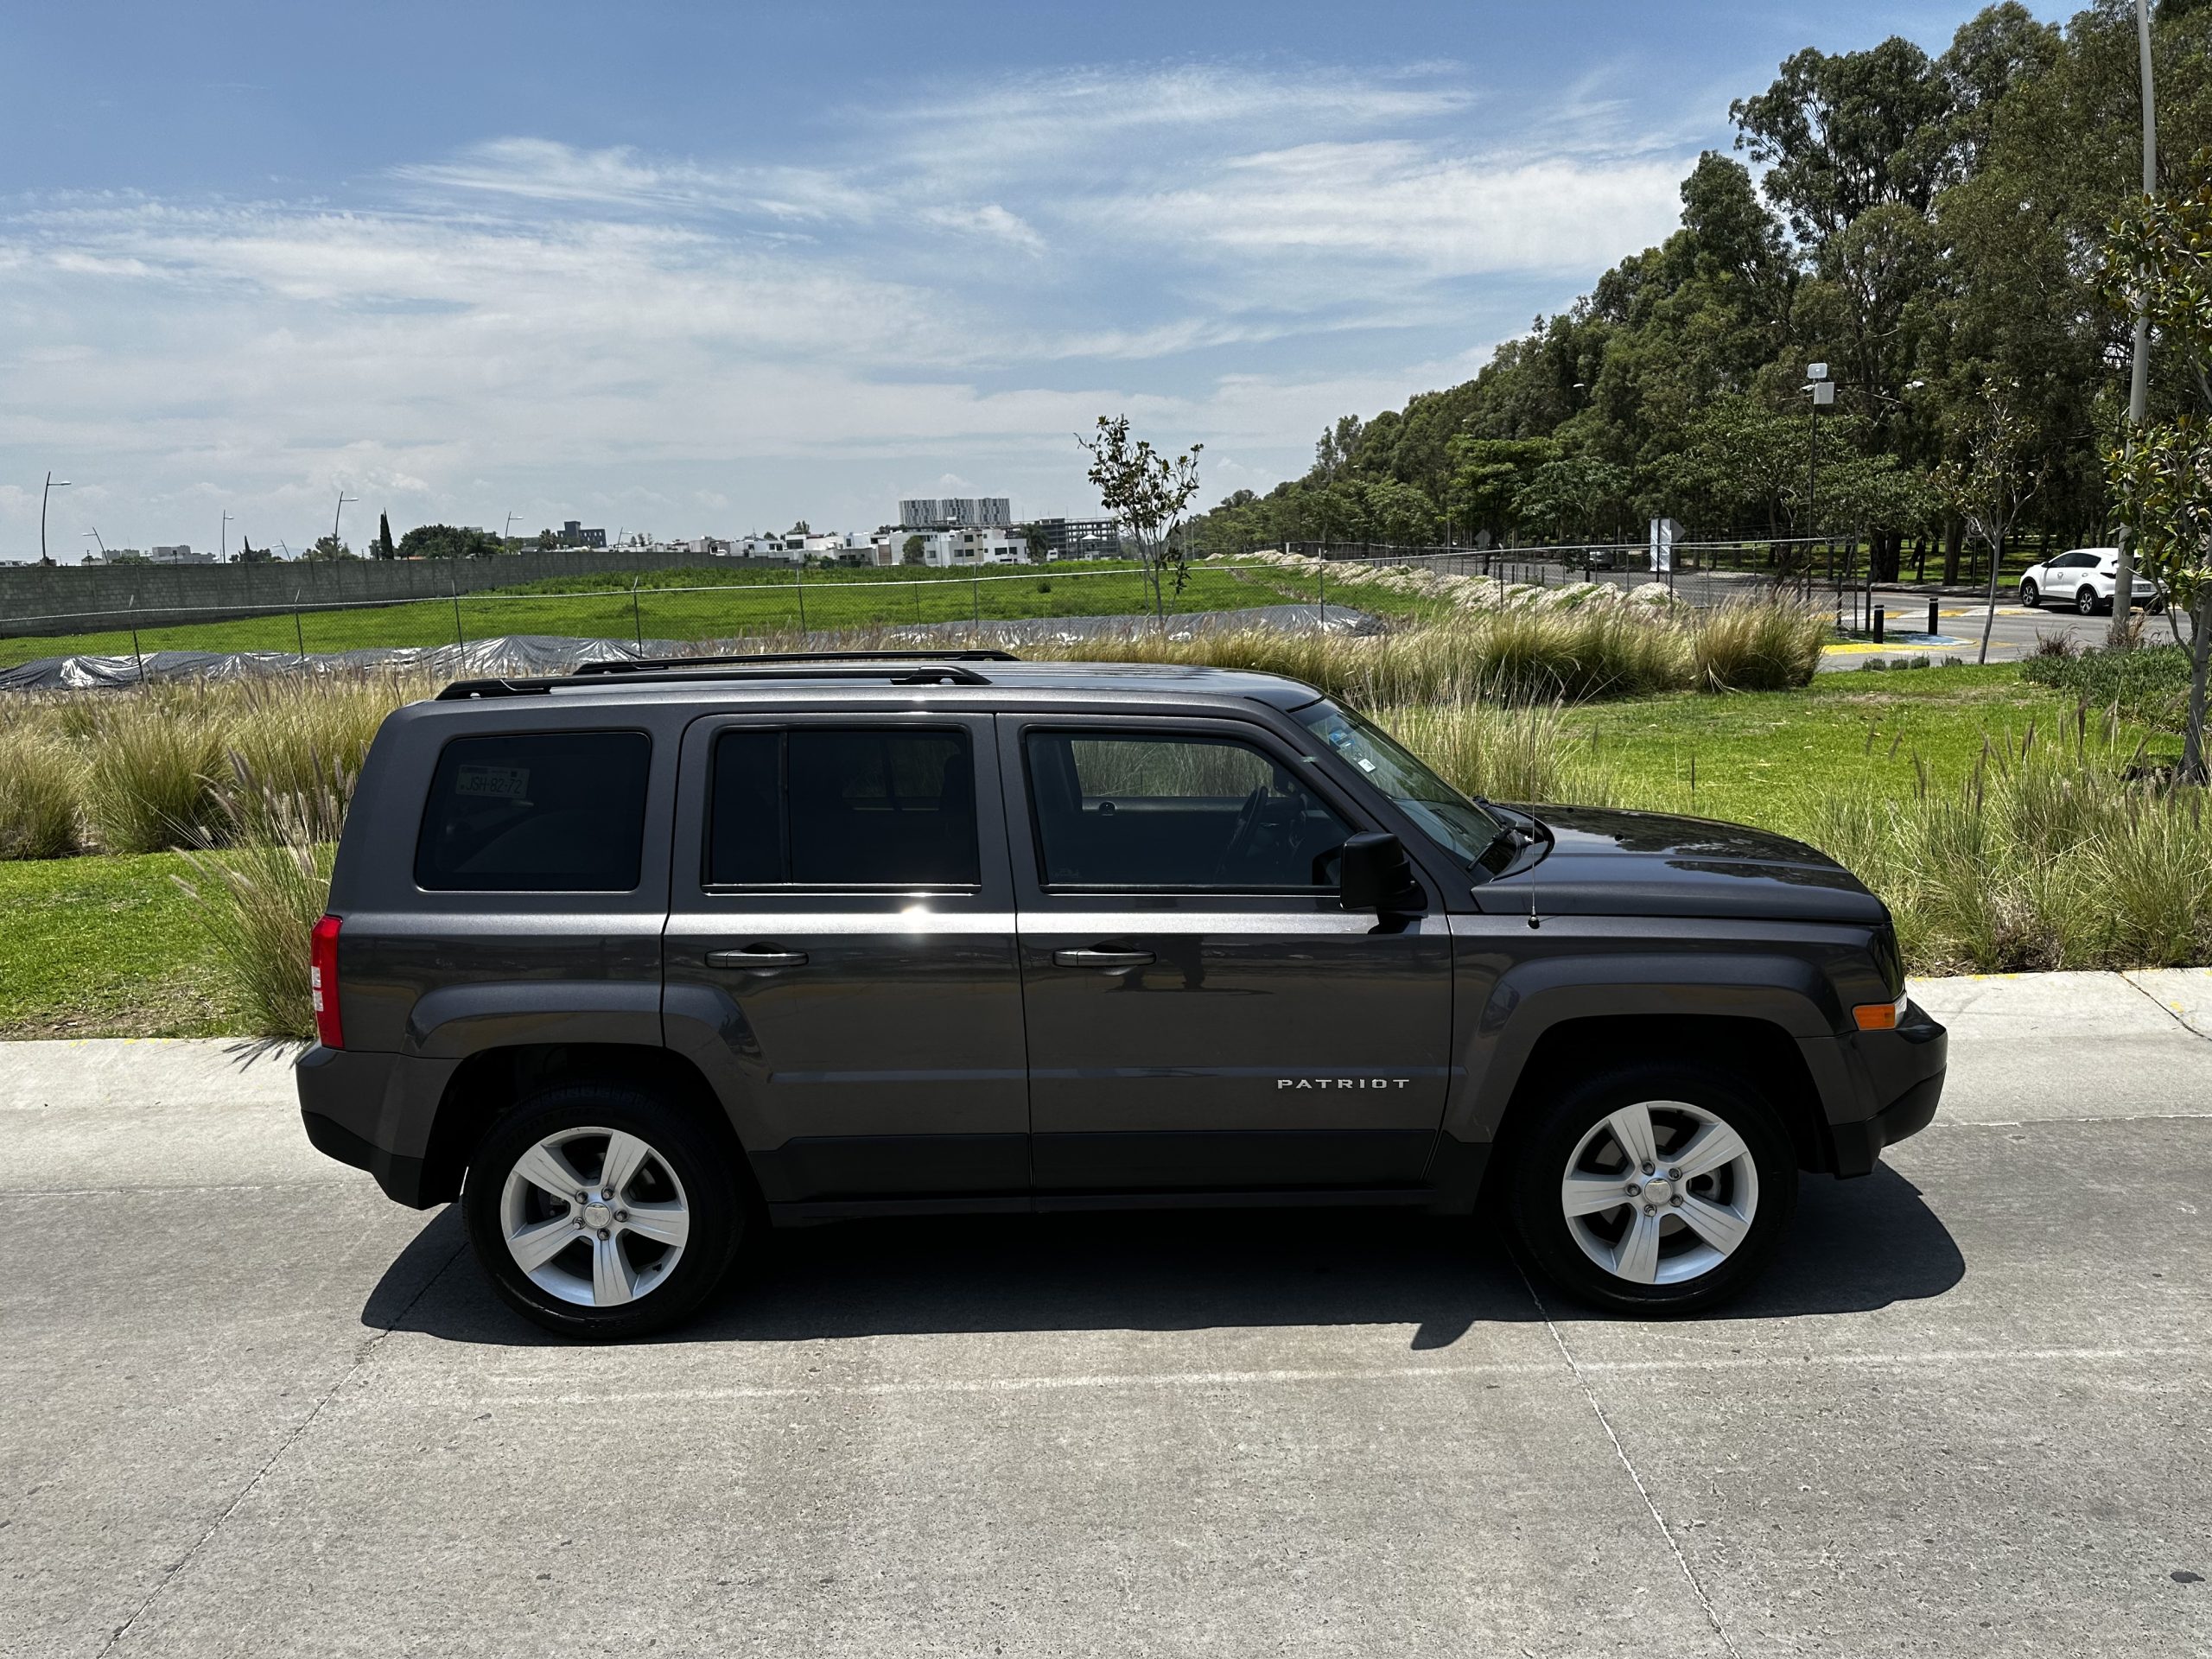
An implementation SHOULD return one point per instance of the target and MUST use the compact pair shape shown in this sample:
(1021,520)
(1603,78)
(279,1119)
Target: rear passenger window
(548,811)
(818,808)
(1176,811)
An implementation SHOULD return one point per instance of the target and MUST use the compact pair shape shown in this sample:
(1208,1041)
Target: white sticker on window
(503,783)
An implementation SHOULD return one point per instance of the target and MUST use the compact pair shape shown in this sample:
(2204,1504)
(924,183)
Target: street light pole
(1823,392)
(343,499)
(52,485)
(223,545)
(2138,383)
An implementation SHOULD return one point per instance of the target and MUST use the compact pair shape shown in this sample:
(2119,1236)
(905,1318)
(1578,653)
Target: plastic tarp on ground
(536,654)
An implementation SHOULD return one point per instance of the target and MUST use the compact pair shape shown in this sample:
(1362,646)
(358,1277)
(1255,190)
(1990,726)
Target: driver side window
(1176,811)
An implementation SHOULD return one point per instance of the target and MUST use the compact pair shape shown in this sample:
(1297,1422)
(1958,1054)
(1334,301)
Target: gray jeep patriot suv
(640,960)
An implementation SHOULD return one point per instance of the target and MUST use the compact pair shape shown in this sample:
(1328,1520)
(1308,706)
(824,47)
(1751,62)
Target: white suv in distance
(2084,579)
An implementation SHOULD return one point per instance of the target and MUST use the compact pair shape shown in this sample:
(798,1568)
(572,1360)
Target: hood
(1604,863)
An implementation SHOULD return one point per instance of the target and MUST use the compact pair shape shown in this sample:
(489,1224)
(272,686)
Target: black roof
(772,674)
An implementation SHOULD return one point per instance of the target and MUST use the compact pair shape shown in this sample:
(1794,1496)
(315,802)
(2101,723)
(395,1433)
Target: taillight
(323,983)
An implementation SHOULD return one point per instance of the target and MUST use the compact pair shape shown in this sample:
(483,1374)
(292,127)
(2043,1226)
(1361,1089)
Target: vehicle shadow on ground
(1856,1246)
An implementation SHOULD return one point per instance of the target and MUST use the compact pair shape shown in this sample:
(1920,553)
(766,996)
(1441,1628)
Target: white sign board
(1663,532)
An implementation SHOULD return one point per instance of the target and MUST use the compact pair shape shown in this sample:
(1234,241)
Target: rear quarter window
(539,811)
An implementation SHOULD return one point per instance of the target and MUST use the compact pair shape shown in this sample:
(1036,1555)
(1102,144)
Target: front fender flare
(1532,999)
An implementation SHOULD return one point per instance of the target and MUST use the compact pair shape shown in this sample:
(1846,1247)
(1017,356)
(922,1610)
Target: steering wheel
(1247,817)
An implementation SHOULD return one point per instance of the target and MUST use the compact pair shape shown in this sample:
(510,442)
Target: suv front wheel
(601,1212)
(1653,1189)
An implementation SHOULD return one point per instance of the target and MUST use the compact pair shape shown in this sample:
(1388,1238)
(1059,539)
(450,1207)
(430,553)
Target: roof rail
(929,671)
(621,666)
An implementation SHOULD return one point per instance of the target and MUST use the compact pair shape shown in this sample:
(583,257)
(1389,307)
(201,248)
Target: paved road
(2015,632)
(251,1409)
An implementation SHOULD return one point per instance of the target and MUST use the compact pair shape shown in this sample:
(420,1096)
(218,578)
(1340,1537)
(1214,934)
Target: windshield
(1452,821)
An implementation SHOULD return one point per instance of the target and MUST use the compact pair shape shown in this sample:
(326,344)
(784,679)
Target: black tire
(712,1190)
(2085,602)
(2031,596)
(1540,1153)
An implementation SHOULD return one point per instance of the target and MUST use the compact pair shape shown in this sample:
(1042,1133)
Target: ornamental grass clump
(259,884)
(1503,748)
(2061,852)
(150,761)
(42,792)
(1765,645)
(1577,654)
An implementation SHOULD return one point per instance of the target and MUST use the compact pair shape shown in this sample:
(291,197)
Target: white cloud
(1399,204)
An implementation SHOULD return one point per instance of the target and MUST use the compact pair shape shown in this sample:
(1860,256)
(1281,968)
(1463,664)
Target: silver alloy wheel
(1660,1192)
(595,1216)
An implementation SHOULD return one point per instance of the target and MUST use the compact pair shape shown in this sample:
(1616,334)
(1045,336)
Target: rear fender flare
(459,1020)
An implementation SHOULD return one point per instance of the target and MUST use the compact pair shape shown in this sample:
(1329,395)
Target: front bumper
(1905,1070)
(346,1104)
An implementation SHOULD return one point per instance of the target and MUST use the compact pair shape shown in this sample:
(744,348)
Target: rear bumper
(1906,1070)
(343,1105)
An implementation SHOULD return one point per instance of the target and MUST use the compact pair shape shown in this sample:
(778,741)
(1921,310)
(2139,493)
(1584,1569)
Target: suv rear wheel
(2085,602)
(601,1212)
(1654,1189)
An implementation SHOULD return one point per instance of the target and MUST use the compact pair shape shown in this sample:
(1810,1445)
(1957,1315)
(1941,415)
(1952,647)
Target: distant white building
(798,548)
(963,549)
(181,553)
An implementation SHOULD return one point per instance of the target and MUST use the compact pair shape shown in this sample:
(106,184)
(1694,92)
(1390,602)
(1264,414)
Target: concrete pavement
(251,1408)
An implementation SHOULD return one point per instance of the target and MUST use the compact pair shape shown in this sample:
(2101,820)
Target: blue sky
(697,270)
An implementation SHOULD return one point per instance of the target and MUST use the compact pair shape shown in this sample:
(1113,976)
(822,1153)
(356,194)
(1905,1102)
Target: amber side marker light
(1878,1016)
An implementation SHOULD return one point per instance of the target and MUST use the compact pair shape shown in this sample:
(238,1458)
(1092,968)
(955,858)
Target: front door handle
(756,958)
(1102,958)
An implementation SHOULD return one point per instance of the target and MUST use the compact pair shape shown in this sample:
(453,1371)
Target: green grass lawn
(104,947)
(1765,758)
(735,603)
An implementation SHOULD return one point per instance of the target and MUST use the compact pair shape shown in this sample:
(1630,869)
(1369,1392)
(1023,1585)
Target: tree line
(1931,228)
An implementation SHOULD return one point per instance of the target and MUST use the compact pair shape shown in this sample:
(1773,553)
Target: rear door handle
(756,958)
(1102,958)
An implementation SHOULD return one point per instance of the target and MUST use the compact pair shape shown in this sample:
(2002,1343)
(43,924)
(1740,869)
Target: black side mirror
(1375,873)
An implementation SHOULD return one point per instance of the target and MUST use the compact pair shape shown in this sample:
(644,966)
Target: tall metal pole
(2138,384)
(343,499)
(223,538)
(50,487)
(1812,463)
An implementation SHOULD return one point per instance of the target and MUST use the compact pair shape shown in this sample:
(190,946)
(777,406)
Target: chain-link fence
(780,605)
